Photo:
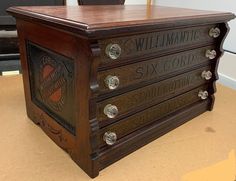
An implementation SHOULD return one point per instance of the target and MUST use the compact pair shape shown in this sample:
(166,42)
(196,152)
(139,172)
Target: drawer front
(155,42)
(153,69)
(136,121)
(149,95)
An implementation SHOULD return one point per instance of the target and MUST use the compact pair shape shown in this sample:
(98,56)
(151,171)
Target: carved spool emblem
(52,82)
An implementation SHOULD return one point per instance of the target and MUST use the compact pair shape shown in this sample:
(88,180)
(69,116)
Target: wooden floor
(200,150)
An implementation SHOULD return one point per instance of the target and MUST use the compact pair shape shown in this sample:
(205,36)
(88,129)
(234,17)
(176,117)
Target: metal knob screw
(112,82)
(110,138)
(113,51)
(211,54)
(203,94)
(206,75)
(214,32)
(110,111)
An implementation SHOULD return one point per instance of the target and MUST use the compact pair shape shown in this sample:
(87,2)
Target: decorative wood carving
(52,84)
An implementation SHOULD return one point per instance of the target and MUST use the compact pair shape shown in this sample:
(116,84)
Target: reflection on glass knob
(110,111)
(203,94)
(211,54)
(110,138)
(207,74)
(214,32)
(112,82)
(113,51)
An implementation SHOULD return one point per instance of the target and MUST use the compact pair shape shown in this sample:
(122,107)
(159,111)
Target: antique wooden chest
(102,81)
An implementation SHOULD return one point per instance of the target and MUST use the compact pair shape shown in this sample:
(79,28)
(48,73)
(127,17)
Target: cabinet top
(91,19)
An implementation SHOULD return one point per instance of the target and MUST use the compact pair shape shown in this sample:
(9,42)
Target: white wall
(71,2)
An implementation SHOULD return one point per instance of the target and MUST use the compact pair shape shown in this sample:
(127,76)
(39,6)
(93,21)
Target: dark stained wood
(100,2)
(154,113)
(64,66)
(147,96)
(225,28)
(92,20)
(158,42)
(152,70)
(149,133)
(77,49)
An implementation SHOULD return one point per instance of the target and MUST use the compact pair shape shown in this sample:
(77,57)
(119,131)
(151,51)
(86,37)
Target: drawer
(118,106)
(153,70)
(136,46)
(109,134)
(141,137)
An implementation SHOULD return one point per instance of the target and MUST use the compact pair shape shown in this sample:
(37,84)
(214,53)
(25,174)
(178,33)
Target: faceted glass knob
(206,75)
(203,94)
(214,32)
(110,111)
(211,54)
(112,82)
(110,138)
(113,51)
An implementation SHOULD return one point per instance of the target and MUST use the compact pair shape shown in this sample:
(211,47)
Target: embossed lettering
(139,44)
(139,72)
(156,92)
(171,64)
(157,112)
(167,39)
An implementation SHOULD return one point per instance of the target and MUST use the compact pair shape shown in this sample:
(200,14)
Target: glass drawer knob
(214,32)
(110,111)
(211,54)
(113,51)
(206,75)
(110,138)
(203,94)
(112,82)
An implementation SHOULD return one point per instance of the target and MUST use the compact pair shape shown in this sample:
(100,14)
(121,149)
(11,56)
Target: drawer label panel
(153,94)
(136,121)
(154,69)
(144,44)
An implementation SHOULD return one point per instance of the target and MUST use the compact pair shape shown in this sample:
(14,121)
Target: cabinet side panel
(52,84)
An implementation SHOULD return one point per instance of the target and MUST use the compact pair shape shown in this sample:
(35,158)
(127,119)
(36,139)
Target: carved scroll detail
(224,28)
(56,132)
(94,87)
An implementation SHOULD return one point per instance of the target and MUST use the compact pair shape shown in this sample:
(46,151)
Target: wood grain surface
(138,99)
(134,122)
(87,19)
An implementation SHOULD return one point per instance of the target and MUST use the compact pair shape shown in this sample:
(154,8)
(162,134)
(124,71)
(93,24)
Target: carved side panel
(52,84)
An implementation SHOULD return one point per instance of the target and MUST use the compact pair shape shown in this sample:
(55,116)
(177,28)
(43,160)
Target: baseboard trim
(227,81)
